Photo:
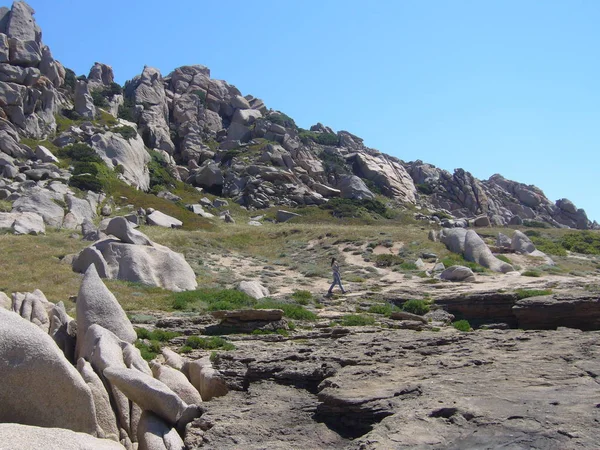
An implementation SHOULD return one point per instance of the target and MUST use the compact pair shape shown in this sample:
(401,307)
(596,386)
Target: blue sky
(509,87)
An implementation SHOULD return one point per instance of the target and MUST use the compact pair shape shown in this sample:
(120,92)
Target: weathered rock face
(39,386)
(130,154)
(29,75)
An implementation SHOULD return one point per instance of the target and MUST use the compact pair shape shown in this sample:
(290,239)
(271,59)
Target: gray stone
(206,379)
(521,243)
(454,239)
(482,221)
(42,203)
(122,229)
(159,219)
(503,241)
(16,436)
(177,382)
(353,187)
(45,155)
(23,223)
(39,386)
(84,105)
(21,24)
(172,359)
(476,250)
(458,273)
(5,301)
(154,434)
(80,208)
(254,289)
(151,394)
(107,421)
(97,305)
(284,216)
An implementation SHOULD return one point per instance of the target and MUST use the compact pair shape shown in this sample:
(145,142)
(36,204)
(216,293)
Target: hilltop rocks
(388,175)
(134,257)
(24,437)
(39,386)
(84,105)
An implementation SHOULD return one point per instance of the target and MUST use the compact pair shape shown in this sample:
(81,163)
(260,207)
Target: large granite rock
(96,305)
(388,175)
(41,201)
(130,154)
(24,437)
(477,250)
(354,188)
(39,386)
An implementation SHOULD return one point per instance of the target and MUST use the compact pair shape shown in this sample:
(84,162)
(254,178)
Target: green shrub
(345,207)
(587,242)
(442,215)
(388,260)
(201,95)
(408,266)
(282,119)
(290,310)
(302,297)
(418,307)
(126,132)
(186,349)
(148,351)
(356,320)
(210,343)
(385,309)
(424,188)
(126,110)
(458,260)
(462,325)
(526,293)
(532,273)
(535,224)
(548,246)
(156,335)
(160,172)
(212,300)
(504,258)
(99,99)
(81,153)
(334,164)
(531,233)
(70,80)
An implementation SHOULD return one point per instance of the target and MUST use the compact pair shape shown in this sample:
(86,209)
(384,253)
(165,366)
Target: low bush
(148,351)
(210,343)
(586,242)
(282,119)
(388,260)
(346,208)
(535,224)
(160,172)
(156,335)
(532,273)
(126,110)
(302,297)
(356,320)
(462,325)
(212,300)
(504,259)
(424,188)
(526,293)
(547,245)
(458,260)
(290,310)
(418,307)
(125,131)
(385,309)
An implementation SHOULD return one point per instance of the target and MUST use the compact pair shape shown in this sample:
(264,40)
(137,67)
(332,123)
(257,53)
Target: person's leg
(330,291)
(339,280)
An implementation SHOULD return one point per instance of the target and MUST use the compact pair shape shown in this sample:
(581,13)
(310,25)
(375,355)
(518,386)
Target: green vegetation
(532,273)
(547,245)
(212,300)
(282,119)
(126,110)
(201,95)
(535,224)
(333,164)
(101,96)
(385,309)
(126,132)
(161,177)
(320,138)
(5,206)
(90,172)
(388,260)
(442,215)
(418,307)
(210,343)
(526,293)
(457,260)
(424,188)
(504,258)
(356,320)
(148,351)
(462,325)
(302,297)
(345,207)
(291,310)
(156,335)
(587,242)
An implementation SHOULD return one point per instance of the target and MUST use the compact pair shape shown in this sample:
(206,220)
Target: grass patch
(532,273)
(291,310)
(302,297)
(462,325)
(526,293)
(418,307)
(458,260)
(210,343)
(211,300)
(385,309)
(356,320)
(148,351)
(504,259)
(156,335)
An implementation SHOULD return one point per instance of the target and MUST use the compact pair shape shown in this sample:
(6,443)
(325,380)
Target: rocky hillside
(204,132)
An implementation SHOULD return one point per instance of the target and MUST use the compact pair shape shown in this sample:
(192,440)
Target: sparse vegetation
(209,343)
(345,207)
(356,320)
(462,325)
(385,309)
(126,132)
(290,310)
(156,335)
(212,300)
(418,307)
(526,293)
(532,273)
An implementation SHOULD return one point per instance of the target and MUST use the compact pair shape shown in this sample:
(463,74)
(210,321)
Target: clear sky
(492,86)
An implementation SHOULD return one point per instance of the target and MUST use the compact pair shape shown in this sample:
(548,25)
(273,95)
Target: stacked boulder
(469,244)
(112,398)
(128,254)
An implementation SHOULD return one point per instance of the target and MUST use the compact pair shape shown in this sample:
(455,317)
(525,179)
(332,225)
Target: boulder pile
(111,398)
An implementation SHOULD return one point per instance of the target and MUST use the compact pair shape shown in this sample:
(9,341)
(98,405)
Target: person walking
(337,279)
